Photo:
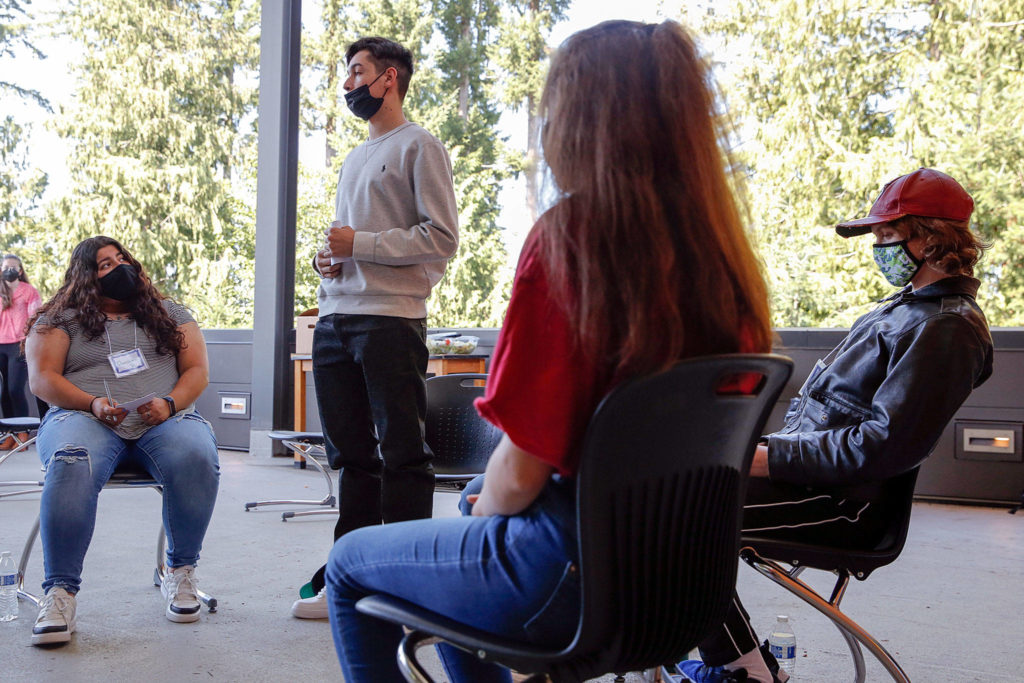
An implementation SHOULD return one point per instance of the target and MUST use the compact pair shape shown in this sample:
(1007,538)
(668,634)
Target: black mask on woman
(121,283)
(361,103)
(11,274)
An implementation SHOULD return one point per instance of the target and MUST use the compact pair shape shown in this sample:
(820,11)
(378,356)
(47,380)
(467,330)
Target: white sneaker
(311,608)
(180,592)
(56,620)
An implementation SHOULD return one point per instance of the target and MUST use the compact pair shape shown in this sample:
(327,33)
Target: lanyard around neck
(135,327)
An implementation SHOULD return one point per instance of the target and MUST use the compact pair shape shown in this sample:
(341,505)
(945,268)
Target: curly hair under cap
(81,293)
(950,246)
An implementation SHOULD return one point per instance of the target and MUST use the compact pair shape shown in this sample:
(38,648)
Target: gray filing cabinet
(227,401)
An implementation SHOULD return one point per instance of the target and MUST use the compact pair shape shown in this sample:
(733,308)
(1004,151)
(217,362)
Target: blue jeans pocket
(556,621)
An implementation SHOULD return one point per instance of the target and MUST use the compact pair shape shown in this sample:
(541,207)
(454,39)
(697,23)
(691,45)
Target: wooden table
(436,365)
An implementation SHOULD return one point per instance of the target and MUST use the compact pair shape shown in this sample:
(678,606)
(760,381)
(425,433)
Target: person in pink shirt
(18,301)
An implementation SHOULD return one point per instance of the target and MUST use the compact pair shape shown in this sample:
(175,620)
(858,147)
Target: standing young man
(876,405)
(395,228)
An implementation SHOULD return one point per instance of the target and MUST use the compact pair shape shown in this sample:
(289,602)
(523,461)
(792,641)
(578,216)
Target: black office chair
(123,478)
(461,440)
(13,427)
(896,497)
(659,497)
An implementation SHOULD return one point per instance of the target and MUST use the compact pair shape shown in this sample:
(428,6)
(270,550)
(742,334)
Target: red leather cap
(925,192)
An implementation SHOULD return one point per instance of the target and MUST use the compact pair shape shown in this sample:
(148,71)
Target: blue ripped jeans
(512,576)
(80,454)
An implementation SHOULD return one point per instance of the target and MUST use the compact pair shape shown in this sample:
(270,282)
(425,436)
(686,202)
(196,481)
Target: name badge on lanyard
(126,363)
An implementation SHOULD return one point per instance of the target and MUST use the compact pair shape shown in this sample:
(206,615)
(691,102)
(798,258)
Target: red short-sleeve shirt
(540,391)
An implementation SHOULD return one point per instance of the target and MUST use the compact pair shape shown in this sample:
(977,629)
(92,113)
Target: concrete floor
(951,609)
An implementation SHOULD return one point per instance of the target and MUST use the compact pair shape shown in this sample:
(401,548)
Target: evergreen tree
(15,35)
(155,131)
(832,99)
(521,55)
(22,183)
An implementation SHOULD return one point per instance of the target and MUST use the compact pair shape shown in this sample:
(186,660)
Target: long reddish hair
(645,248)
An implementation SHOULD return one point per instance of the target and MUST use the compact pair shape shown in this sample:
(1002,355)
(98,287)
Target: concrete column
(276,183)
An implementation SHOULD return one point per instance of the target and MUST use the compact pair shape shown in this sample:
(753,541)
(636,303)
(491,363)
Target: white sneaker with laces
(311,608)
(56,620)
(180,593)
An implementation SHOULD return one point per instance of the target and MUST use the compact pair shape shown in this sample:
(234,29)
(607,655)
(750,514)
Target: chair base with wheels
(845,563)
(309,446)
(121,479)
(12,427)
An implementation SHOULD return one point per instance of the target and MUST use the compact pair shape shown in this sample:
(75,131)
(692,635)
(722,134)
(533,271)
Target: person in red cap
(876,405)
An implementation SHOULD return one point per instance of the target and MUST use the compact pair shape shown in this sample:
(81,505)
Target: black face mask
(361,103)
(11,274)
(121,283)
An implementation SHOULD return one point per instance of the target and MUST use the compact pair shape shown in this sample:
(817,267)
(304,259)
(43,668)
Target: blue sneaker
(699,672)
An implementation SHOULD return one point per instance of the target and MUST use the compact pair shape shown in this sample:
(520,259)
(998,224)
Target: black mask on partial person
(361,103)
(121,283)
(11,274)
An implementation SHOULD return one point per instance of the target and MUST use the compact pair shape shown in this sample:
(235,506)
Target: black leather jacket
(877,404)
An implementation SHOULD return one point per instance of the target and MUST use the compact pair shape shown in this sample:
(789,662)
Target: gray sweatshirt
(396,192)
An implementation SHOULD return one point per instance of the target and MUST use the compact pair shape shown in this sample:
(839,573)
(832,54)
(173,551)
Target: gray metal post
(276,187)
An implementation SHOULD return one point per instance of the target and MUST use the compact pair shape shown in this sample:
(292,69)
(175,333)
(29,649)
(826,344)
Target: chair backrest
(895,497)
(461,440)
(660,494)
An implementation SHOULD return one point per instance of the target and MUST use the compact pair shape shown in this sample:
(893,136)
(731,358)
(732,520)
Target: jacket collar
(956,285)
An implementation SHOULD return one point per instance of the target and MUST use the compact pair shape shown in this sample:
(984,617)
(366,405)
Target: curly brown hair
(950,246)
(81,294)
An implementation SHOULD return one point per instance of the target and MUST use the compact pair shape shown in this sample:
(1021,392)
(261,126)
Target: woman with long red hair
(641,262)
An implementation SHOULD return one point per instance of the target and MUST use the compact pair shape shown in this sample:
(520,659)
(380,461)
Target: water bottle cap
(783,617)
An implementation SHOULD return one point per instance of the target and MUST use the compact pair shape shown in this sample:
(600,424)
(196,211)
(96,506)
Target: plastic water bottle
(8,587)
(783,644)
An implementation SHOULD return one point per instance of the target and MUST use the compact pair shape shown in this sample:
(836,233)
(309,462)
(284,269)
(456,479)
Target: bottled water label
(8,580)
(784,651)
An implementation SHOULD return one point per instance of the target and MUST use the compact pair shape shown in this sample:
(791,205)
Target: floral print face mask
(896,262)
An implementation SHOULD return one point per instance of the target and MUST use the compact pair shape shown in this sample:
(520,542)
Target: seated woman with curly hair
(108,337)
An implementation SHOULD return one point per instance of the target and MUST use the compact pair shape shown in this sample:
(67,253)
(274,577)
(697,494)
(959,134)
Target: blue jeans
(512,576)
(369,372)
(80,454)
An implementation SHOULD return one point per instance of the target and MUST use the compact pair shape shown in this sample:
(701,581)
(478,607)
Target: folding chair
(659,496)
(12,427)
(123,478)
(896,498)
(309,446)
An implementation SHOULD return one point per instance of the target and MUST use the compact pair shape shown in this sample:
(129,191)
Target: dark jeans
(13,376)
(369,372)
(798,513)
